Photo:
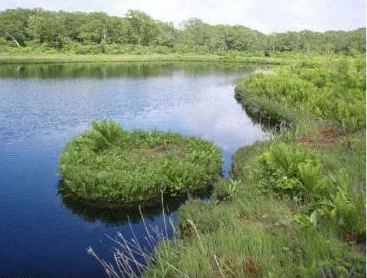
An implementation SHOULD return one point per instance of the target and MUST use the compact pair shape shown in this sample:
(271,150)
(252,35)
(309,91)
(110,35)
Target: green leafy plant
(103,135)
(348,210)
(225,190)
(292,170)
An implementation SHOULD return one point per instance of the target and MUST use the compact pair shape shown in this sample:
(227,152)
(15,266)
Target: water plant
(111,164)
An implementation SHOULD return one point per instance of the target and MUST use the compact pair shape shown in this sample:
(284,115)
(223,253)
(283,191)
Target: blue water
(42,107)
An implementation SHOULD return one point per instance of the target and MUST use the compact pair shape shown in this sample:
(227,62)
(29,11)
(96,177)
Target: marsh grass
(257,233)
(109,164)
(254,235)
(293,93)
(324,107)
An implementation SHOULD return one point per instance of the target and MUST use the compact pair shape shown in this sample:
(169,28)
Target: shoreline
(7,59)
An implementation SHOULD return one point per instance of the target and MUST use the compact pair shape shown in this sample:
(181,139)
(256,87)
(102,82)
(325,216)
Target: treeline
(30,30)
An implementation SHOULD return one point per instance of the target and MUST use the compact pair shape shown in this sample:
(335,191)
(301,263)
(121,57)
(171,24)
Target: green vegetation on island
(109,164)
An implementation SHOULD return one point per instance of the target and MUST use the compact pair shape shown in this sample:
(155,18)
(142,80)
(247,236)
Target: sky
(266,16)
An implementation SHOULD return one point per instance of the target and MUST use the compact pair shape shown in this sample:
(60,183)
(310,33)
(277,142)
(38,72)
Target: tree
(118,30)
(45,27)
(13,24)
(95,31)
(143,29)
(167,35)
(96,28)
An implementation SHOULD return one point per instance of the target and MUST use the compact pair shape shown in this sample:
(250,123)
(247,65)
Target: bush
(114,165)
(225,190)
(293,170)
(348,210)
(88,49)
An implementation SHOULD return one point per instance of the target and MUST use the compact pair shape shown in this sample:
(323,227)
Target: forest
(42,31)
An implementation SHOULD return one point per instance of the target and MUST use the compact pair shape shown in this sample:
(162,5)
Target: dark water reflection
(111,70)
(42,107)
(117,214)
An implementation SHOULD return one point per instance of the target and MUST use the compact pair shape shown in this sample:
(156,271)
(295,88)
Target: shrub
(348,210)
(102,136)
(225,190)
(292,170)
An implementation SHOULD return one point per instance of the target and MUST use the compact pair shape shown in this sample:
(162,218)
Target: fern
(103,135)
(293,170)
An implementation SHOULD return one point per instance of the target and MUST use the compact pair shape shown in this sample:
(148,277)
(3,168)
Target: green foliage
(335,93)
(307,221)
(111,164)
(92,33)
(104,134)
(348,205)
(330,186)
(292,170)
(239,238)
(249,251)
(14,25)
(347,170)
(225,190)
(297,171)
(298,200)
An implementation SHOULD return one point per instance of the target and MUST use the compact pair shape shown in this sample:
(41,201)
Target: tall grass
(254,235)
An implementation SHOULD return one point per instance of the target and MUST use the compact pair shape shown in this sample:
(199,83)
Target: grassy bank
(250,230)
(334,92)
(109,164)
(276,59)
(295,205)
(74,58)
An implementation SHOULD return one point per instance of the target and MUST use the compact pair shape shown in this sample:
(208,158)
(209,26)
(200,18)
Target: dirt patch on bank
(326,138)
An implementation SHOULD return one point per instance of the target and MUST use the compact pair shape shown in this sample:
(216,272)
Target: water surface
(42,107)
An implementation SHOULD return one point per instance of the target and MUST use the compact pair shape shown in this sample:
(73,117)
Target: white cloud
(263,15)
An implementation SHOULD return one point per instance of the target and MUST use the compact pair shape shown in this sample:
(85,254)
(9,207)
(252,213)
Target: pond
(42,107)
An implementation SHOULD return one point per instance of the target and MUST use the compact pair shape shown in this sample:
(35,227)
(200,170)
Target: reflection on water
(111,70)
(42,107)
(117,214)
